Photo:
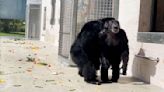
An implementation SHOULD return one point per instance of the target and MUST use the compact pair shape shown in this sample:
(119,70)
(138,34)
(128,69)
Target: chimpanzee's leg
(89,74)
(115,72)
(125,59)
(104,74)
(104,70)
(124,66)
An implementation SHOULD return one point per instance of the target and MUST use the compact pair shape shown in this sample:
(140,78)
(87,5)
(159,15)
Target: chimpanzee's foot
(106,81)
(114,80)
(95,81)
(80,73)
(124,73)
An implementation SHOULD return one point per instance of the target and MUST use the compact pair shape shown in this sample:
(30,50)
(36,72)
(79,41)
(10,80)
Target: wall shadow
(131,80)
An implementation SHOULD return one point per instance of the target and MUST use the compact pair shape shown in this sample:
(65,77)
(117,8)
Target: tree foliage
(8,25)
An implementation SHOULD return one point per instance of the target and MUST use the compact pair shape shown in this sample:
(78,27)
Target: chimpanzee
(114,48)
(88,50)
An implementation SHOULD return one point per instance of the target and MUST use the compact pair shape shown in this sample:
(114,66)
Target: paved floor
(32,66)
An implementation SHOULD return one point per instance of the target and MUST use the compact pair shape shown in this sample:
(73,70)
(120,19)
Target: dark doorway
(34,22)
(158,16)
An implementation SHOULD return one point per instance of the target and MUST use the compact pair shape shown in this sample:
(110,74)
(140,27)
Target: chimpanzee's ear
(118,23)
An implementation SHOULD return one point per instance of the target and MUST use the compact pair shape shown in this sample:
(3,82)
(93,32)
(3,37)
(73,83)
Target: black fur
(114,47)
(94,47)
(85,51)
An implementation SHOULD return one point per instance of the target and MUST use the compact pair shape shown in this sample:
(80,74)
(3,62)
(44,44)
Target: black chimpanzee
(89,48)
(114,48)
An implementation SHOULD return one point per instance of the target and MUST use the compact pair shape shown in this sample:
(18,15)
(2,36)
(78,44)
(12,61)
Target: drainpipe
(53,2)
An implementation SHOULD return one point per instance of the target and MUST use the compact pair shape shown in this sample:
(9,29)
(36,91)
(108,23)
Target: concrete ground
(33,66)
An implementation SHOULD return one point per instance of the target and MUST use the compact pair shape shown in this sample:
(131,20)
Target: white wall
(146,70)
(51,33)
(129,20)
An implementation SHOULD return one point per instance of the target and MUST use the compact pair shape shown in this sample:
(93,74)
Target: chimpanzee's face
(112,25)
(115,27)
(107,34)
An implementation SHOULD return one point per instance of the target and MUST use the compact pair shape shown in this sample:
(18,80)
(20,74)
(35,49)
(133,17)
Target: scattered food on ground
(38,86)
(50,80)
(30,59)
(57,73)
(42,63)
(17,85)
(2,81)
(72,89)
(1,73)
(20,60)
(29,70)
